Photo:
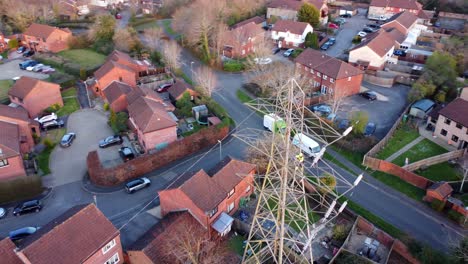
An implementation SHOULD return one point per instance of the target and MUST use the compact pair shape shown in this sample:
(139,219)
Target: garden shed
(421,108)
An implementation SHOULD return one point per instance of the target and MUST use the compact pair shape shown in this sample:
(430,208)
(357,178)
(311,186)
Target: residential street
(129,212)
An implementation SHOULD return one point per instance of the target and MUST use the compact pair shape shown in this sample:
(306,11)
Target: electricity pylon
(293,203)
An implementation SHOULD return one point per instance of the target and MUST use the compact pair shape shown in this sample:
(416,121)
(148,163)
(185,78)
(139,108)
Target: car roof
(31,202)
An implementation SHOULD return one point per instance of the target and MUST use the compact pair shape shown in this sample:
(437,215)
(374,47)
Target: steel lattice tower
(287,215)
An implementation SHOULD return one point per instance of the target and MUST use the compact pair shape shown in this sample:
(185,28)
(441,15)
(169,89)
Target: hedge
(21,188)
(437,205)
(233,66)
(456,216)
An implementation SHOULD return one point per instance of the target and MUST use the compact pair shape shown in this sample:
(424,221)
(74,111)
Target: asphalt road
(129,212)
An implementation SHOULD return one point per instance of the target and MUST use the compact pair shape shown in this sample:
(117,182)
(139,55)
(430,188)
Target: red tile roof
(179,88)
(294,27)
(442,188)
(9,140)
(110,66)
(74,236)
(406,4)
(406,19)
(150,115)
(256,19)
(43,31)
(14,112)
(294,4)
(382,41)
(457,110)
(7,252)
(242,34)
(327,65)
(26,85)
(115,90)
(125,59)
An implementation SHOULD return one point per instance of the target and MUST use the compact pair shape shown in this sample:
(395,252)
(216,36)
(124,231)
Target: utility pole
(220,150)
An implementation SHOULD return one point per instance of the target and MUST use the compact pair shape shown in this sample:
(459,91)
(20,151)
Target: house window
(114,259)
(231,193)
(331,80)
(443,132)
(213,212)
(454,138)
(3,162)
(325,77)
(316,84)
(447,121)
(459,126)
(311,71)
(349,78)
(230,207)
(323,90)
(108,247)
(247,189)
(243,52)
(318,74)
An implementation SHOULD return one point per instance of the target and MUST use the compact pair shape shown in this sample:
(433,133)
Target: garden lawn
(423,150)
(236,244)
(85,58)
(441,172)
(146,25)
(400,138)
(5,86)
(70,102)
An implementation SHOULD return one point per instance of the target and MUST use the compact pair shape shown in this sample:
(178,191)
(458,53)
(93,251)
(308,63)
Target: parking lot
(384,111)
(11,69)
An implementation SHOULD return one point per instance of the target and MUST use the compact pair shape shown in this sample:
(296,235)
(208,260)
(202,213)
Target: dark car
(3,212)
(368,30)
(276,50)
(163,87)
(370,129)
(369,95)
(21,233)
(400,53)
(343,124)
(322,109)
(126,153)
(23,65)
(27,207)
(331,41)
(374,26)
(111,140)
(67,140)
(346,15)
(52,124)
(136,185)
(325,46)
(21,49)
(28,53)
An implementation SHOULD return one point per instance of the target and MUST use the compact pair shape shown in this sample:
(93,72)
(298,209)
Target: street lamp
(220,150)
(191,71)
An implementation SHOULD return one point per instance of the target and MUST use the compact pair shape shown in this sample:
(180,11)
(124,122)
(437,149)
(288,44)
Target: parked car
(37,66)
(369,95)
(325,46)
(21,233)
(3,212)
(27,207)
(28,53)
(23,65)
(276,50)
(331,41)
(401,53)
(46,118)
(374,26)
(333,26)
(126,153)
(369,129)
(347,15)
(262,61)
(110,141)
(368,30)
(52,124)
(67,139)
(341,20)
(321,109)
(163,87)
(288,52)
(136,185)
(47,69)
(362,34)
(21,49)
(342,123)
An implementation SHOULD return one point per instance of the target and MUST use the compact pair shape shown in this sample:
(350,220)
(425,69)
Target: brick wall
(401,249)
(370,230)
(149,162)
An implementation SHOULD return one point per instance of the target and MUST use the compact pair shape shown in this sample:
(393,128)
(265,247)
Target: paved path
(404,149)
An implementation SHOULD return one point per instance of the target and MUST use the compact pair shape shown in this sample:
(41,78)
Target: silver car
(137,184)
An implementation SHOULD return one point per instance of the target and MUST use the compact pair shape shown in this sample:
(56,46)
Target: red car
(334,26)
(118,16)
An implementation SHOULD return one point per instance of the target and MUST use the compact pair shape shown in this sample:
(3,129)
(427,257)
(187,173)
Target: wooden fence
(380,81)
(435,160)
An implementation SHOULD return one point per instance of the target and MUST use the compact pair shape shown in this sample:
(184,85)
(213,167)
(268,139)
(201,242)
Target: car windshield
(134,183)
(126,151)
(109,139)
(66,137)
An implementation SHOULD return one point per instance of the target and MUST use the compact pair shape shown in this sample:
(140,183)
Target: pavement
(10,69)
(404,149)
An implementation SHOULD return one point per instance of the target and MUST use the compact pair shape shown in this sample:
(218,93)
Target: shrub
(297,52)
(118,121)
(106,107)
(83,74)
(78,42)
(357,40)
(340,232)
(20,188)
(36,138)
(437,205)
(13,43)
(233,66)
(48,143)
(456,216)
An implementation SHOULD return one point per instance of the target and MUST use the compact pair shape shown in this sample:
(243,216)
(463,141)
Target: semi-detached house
(242,39)
(290,34)
(44,38)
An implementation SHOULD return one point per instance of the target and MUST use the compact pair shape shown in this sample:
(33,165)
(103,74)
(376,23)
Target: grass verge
(5,86)
(70,102)
(43,158)
(399,185)
(423,150)
(243,97)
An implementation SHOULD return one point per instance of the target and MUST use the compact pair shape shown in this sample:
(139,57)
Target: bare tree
(206,80)
(271,77)
(123,39)
(171,54)
(153,36)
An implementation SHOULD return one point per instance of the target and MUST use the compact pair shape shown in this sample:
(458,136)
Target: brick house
(27,127)
(211,197)
(45,38)
(80,235)
(156,244)
(407,24)
(328,76)
(11,161)
(152,123)
(115,94)
(7,251)
(452,123)
(243,37)
(290,34)
(178,89)
(147,92)
(384,9)
(287,9)
(35,95)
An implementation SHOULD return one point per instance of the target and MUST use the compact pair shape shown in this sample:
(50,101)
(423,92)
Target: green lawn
(146,25)
(4,88)
(400,138)
(441,172)
(86,58)
(70,102)
(168,27)
(423,150)
(236,244)
(43,158)
(399,185)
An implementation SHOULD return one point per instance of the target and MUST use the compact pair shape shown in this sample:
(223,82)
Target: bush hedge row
(20,188)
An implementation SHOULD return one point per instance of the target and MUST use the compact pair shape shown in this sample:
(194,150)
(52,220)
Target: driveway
(384,111)
(346,34)
(11,69)
(69,164)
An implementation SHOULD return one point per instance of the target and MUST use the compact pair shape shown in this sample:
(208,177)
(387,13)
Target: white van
(310,147)
(274,123)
